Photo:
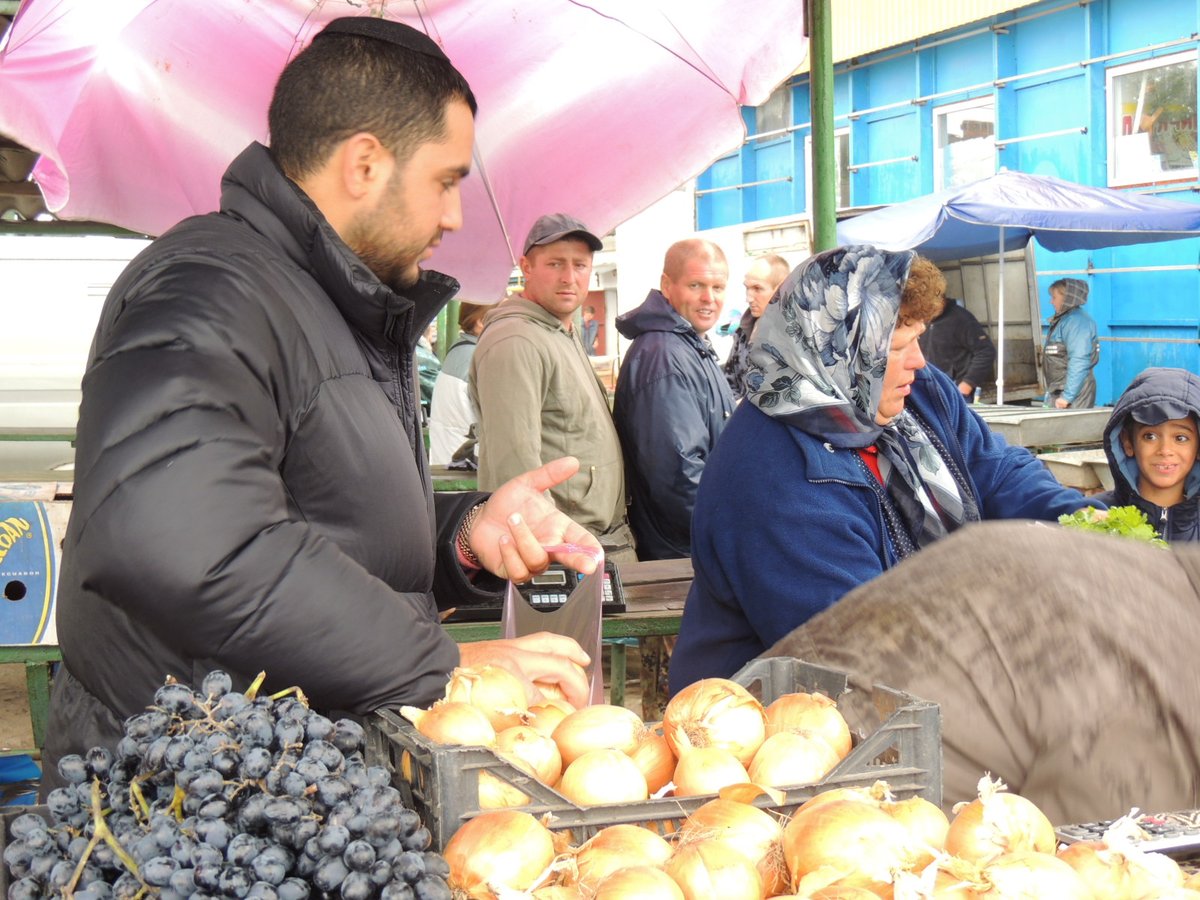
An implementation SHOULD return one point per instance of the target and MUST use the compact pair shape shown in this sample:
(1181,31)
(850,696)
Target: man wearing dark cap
(251,491)
(537,395)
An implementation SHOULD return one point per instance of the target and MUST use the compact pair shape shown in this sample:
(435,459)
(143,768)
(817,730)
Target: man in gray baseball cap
(555,227)
(536,392)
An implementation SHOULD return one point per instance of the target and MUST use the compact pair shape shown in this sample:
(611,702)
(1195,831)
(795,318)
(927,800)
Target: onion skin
(618,847)
(996,823)
(655,758)
(705,770)
(452,722)
(599,727)
(810,712)
(536,752)
(715,712)
(639,883)
(495,691)
(601,777)
(752,831)
(925,821)
(713,870)
(849,836)
(544,717)
(1031,874)
(502,849)
(792,758)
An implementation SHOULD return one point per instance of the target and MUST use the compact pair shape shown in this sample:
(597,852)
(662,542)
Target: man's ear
(525,265)
(663,281)
(364,166)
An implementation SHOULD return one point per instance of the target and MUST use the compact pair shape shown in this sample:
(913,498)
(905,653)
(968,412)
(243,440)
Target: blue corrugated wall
(1127,306)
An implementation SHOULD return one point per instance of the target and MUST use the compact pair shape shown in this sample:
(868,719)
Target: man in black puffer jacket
(251,491)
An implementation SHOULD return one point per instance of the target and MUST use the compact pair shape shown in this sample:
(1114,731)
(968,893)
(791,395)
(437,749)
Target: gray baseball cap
(557,226)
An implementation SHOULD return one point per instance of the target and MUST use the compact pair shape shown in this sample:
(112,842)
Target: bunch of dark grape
(217,793)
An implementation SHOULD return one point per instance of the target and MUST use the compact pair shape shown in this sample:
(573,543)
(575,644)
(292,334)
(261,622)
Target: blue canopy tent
(1004,211)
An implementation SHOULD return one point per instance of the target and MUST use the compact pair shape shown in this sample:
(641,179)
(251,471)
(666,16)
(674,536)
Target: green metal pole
(824,169)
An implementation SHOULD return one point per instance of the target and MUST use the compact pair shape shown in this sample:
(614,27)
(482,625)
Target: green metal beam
(824,169)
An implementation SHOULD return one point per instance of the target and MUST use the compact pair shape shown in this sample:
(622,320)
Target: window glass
(1152,120)
(965,142)
(775,114)
(841,162)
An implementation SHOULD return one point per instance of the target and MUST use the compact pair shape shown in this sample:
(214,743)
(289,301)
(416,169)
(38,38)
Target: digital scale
(548,591)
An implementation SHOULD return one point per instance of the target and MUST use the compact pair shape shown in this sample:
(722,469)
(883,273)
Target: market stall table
(1036,426)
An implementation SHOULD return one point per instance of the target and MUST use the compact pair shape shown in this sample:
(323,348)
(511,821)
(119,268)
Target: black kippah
(385,30)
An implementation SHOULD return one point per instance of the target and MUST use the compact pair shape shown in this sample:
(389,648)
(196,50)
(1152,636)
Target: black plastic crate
(897,739)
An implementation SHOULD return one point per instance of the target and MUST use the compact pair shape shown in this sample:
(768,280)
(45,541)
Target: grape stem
(101,832)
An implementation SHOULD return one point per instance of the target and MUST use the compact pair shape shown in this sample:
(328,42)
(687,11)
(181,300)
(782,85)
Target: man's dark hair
(342,84)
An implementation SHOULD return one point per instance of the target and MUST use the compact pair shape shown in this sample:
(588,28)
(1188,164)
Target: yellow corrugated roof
(865,26)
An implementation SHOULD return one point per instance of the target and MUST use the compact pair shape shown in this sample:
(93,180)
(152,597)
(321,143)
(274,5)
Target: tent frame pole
(1000,330)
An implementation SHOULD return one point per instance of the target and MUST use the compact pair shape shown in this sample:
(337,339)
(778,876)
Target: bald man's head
(765,274)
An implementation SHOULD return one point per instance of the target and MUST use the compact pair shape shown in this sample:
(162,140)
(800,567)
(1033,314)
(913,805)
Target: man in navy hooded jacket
(672,398)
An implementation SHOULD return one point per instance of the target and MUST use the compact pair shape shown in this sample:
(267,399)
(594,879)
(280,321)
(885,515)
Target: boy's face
(1165,454)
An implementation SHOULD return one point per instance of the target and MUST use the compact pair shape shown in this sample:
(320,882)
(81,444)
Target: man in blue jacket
(672,397)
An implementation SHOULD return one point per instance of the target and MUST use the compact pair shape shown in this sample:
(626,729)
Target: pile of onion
(754,832)
(495,691)
(618,847)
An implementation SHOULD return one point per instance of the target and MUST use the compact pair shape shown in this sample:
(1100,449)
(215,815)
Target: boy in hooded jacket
(1151,443)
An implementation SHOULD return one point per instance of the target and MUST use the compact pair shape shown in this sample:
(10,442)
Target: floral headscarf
(821,345)
(817,362)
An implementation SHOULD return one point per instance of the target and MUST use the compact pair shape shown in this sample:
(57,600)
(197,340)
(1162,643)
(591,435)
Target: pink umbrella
(597,109)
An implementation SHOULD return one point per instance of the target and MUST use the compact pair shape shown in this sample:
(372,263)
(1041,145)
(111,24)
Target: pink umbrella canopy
(598,109)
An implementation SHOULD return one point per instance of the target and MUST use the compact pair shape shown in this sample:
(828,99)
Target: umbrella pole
(1000,330)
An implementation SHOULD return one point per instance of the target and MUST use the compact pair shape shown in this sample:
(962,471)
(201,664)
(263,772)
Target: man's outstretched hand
(519,531)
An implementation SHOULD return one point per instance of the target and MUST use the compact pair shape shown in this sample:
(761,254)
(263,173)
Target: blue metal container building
(1100,92)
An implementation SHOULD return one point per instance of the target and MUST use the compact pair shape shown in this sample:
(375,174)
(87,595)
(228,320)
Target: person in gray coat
(251,490)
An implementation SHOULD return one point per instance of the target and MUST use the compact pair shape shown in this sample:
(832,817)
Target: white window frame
(939,112)
(841,163)
(1124,143)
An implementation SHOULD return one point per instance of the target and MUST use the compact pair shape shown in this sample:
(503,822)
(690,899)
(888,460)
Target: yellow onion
(537,751)
(1109,873)
(452,722)
(997,822)
(1028,873)
(752,831)
(600,777)
(495,793)
(715,712)
(792,758)
(599,727)
(852,837)
(638,883)
(925,821)
(545,717)
(503,849)
(708,870)
(617,847)
(654,757)
(558,892)
(496,691)
(863,795)
(1193,882)
(705,770)
(810,712)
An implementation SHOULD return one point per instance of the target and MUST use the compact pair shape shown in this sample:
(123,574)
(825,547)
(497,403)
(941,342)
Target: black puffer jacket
(1154,396)
(251,490)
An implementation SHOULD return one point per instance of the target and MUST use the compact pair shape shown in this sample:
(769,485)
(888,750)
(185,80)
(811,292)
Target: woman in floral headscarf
(862,457)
